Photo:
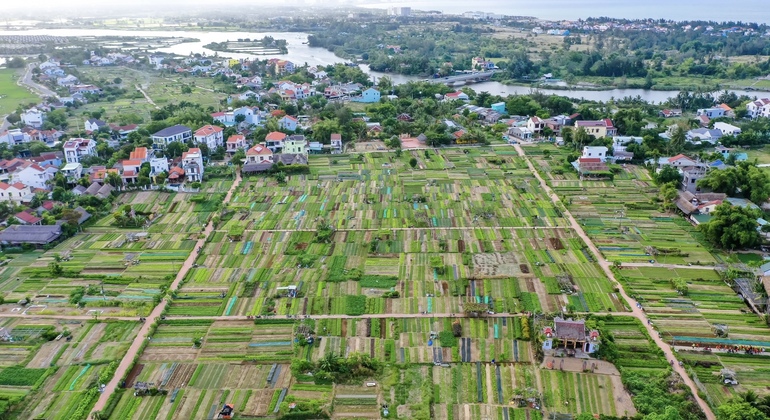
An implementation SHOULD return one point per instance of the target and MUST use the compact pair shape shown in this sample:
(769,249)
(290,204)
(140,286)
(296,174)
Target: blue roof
(741,202)
(717,162)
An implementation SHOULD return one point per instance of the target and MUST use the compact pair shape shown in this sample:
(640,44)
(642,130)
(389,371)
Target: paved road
(35,87)
(635,311)
(133,351)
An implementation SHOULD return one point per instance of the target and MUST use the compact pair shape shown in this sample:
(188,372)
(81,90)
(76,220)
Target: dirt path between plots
(635,311)
(128,358)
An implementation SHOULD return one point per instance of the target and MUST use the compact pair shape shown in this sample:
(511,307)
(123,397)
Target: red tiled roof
(208,130)
(337,136)
(677,157)
(290,117)
(27,218)
(589,160)
(259,150)
(132,162)
(139,153)
(129,174)
(236,138)
(275,136)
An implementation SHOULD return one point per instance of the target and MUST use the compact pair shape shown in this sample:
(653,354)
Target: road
(128,359)
(35,87)
(146,96)
(635,311)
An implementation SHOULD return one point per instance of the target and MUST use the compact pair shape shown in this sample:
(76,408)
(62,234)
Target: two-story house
(130,172)
(535,124)
(598,128)
(33,175)
(288,123)
(295,144)
(92,124)
(210,135)
(14,192)
(140,154)
(158,166)
(33,117)
(259,154)
(595,152)
(15,137)
(234,143)
(76,149)
(274,141)
(192,164)
(336,143)
(176,133)
(72,171)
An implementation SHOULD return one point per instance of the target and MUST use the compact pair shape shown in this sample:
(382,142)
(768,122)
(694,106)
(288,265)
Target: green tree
(739,410)
(669,193)
(668,175)
(677,142)
(413,162)
(238,157)
(732,227)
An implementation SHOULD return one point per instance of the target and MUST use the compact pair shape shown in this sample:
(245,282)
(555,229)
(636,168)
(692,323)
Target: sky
(745,10)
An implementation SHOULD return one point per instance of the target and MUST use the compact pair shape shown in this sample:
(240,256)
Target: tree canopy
(732,227)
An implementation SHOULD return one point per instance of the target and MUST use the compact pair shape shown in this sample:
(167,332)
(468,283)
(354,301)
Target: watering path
(635,311)
(133,351)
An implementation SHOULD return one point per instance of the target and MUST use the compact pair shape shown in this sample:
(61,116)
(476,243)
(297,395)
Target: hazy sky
(745,10)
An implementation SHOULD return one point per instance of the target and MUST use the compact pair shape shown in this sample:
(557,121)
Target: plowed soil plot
(259,403)
(181,376)
(556,243)
(135,371)
(495,265)
(45,355)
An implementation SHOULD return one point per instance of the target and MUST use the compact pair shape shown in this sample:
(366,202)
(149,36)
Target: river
(301,53)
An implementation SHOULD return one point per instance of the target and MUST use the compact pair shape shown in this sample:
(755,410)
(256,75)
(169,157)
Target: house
(175,175)
(27,218)
(670,113)
(622,155)
(456,96)
(130,172)
(250,115)
(595,152)
(592,167)
(535,125)
(281,66)
(698,135)
(336,143)
(33,117)
(690,177)
(76,149)
(140,154)
(73,172)
(192,163)
(499,107)
(179,133)
(68,80)
(92,124)
(556,123)
(34,176)
(15,137)
(158,166)
(480,63)
(680,161)
(727,129)
(295,144)
(274,141)
(36,235)
(728,112)
(123,130)
(619,143)
(291,159)
(49,137)
(48,158)
(288,123)
(570,335)
(210,135)
(521,133)
(235,142)
(758,108)
(370,95)
(711,112)
(14,192)
(94,90)
(598,128)
(258,159)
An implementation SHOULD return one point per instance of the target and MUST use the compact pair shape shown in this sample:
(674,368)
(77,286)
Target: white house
(249,115)
(274,141)
(703,134)
(34,176)
(619,143)
(158,166)
(210,135)
(162,138)
(456,96)
(92,124)
(68,80)
(76,149)
(235,142)
(14,137)
(72,171)
(14,192)
(727,129)
(595,152)
(192,163)
(535,124)
(759,108)
(521,133)
(33,117)
(288,123)
(336,143)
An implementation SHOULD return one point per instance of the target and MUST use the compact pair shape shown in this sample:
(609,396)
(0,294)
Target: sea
(709,10)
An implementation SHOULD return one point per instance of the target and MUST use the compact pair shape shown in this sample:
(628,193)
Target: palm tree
(329,363)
